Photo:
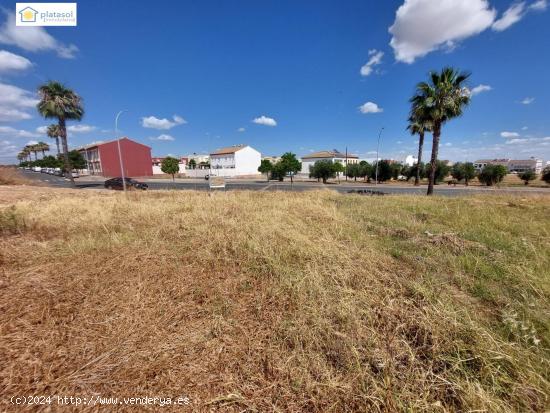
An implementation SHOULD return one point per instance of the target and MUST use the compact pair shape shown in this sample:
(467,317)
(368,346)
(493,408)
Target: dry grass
(313,302)
(11,176)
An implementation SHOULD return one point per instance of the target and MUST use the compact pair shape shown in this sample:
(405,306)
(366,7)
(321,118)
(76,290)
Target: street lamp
(119,152)
(377,157)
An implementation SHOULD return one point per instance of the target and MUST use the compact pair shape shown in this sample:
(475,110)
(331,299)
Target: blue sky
(283,75)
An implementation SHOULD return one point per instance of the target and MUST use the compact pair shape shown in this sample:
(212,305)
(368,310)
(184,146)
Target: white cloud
(527,101)
(161,124)
(370,107)
(509,134)
(14,103)
(8,150)
(81,128)
(480,89)
(32,142)
(539,5)
(375,59)
(11,132)
(12,62)
(525,128)
(241,129)
(422,26)
(33,39)
(264,120)
(511,16)
(516,141)
(163,137)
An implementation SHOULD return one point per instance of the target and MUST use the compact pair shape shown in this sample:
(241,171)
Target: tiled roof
(329,154)
(228,150)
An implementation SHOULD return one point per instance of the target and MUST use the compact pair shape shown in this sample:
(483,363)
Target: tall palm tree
(53,132)
(61,103)
(419,124)
(21,156)
(32,149)
(441,99)
(26,151)
(43,147)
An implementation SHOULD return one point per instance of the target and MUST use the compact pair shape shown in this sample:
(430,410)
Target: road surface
(259,185)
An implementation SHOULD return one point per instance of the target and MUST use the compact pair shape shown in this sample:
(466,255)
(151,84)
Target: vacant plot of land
(243,301)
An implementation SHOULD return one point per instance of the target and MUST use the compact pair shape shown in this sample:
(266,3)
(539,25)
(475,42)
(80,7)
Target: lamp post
(119,152)
(377,157)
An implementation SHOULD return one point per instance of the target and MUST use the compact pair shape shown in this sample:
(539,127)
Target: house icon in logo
(28,15)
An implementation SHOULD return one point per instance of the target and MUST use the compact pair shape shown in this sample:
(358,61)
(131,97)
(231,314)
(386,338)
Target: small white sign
(45,14)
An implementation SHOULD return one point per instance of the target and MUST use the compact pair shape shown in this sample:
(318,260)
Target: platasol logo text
(45,14)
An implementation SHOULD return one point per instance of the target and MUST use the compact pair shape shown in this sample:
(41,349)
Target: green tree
(53,132)
(353,171)
(61,103)
(323,170)
(469,172)
(419,124)
(339,168)
(76,161)
(384,171)
(365,170)
(265,167)
(278,171)
(192,164)
(290,164)
(528,176)
(440,100)
(457,171)
(396,169)
(441,171)
(492,174)
(170,166)
(546,175)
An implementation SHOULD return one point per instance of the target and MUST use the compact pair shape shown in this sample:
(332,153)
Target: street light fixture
(377,157)
(119,151)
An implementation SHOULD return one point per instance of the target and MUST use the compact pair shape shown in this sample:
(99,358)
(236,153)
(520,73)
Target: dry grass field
(289,302)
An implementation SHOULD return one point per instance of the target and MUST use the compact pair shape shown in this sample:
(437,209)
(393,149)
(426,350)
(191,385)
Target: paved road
(200,184)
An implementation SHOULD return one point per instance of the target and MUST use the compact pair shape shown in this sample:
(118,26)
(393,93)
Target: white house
(411,160)
(333,156)
(235,160)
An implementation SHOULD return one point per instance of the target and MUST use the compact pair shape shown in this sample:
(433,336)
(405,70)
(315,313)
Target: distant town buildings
(513,165)
(102,158)
(237,160)
(333,156)
(157,165)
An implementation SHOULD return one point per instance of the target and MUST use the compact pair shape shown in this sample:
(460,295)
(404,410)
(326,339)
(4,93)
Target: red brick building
(102,158)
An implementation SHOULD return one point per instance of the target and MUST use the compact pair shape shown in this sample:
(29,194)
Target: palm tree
(42,146)
(26,151)
(53,132)
(61,103)
(441,99)
(21,156)
(419,124)
(31,149)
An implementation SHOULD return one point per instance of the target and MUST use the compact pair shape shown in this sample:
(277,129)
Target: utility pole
(119,152)
(377,157)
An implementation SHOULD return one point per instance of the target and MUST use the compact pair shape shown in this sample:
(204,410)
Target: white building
(513,165)
(157,164)
(333,156)
(235,160)
(201,160)
(411,160)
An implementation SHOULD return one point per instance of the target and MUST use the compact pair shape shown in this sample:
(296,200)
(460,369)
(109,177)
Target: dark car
(116,183)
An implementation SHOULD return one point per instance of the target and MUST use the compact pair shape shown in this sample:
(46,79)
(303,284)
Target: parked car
(75,174)
(37,169)
(208,176)
(116,183)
